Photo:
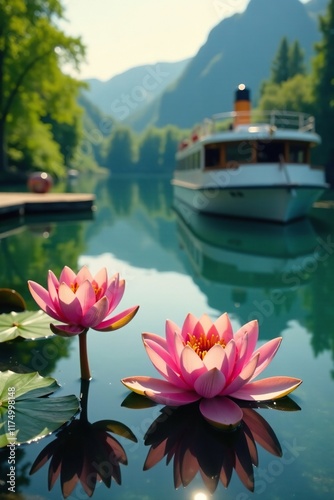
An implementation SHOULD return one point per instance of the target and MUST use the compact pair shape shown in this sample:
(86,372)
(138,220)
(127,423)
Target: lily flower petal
(191,365)
(152,338)
(67,330)
(69,304)
(210,384)
(244,376)
(84,275)
(221,412)
(163,362)
(115,291)
(42,299)
(229,362)
(188,326)
(67,276)
(215,357)
(86,296)
(53,285)
(266,352)
(140,384)
(179,346)
(224,328)
(203,326)
(118,321)
(267,389)
(242,350)
(252,330)
(101,280)
(171,329)
(96,313)
(160,391)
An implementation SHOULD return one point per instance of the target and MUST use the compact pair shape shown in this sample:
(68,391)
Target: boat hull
(276,203)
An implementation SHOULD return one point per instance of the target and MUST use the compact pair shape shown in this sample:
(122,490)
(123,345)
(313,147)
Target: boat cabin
(231,154)
(246,136)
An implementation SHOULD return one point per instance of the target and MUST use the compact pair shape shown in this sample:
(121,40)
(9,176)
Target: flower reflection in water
(85,453)
(184,436)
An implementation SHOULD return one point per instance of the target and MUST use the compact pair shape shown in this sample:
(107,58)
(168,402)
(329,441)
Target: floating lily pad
(137,402)
(26,324)
(11,300)
(281,404)
(26,414)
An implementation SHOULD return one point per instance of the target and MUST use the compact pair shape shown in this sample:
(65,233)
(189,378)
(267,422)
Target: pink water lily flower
(205,361)
(81,301)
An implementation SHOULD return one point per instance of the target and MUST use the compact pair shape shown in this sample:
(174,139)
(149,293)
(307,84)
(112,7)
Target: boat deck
(36,203)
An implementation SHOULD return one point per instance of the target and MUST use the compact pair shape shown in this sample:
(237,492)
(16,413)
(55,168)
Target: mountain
(316,7)
(240,49)
(130,91)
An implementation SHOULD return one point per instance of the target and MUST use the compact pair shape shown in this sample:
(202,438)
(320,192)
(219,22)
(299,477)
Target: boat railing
(275,118)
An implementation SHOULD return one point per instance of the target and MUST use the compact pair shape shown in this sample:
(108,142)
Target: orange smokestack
(242,106)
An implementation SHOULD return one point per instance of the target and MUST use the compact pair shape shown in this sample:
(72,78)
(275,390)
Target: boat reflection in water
(253,266)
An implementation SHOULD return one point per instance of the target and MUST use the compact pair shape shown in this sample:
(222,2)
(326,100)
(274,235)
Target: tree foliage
(36,97)
(296,60)
(288,62)
(121,150)
(294,94)
(153,152)
(280,65)
(323,85)
(150,149)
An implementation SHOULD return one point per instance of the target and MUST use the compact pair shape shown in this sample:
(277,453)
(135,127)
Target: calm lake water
(174,264)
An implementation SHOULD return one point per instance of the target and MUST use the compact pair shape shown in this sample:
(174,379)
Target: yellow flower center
(74,287)
(96,289)
(203,344)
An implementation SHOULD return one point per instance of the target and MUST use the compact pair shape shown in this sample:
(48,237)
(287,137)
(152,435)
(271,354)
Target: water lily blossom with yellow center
(81,301)
(205,361)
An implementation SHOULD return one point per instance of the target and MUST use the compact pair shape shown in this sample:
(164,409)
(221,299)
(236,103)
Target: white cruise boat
(250,164)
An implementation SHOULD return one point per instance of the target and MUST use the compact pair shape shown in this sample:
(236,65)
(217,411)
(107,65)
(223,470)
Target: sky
(122,34)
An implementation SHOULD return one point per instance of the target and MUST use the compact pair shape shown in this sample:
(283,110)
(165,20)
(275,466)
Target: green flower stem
(84,365)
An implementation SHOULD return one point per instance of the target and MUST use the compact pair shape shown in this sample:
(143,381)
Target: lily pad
(26,414)
(26,324)
(11,300)
(137,402)
(281,404)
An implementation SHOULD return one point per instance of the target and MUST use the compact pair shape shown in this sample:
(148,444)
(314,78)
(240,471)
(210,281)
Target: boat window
(269,151)
(189,162)
(298,152)
(239,152)
(212,157)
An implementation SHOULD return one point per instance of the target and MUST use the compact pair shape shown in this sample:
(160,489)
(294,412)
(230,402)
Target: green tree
(172,137)
(150,150)
(120,155)
(280,65)
(296,60)
(323,85)
(294,94)
(32,86)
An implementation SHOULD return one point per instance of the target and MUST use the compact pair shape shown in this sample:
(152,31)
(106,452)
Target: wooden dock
(36,203)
